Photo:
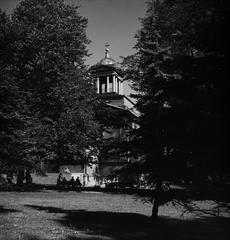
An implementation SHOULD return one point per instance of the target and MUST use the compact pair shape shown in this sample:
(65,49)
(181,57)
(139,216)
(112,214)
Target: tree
(115,124)
(13,109)
(180,76)
(47,44)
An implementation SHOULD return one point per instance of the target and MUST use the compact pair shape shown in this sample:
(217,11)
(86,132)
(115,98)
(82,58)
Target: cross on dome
(107,61)
(107,50)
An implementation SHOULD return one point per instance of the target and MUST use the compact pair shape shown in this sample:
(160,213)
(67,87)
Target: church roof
(106,61)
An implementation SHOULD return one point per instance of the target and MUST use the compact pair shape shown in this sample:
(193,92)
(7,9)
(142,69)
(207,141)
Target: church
(115,93)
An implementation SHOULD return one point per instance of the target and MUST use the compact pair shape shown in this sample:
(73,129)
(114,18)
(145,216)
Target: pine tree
(179,75)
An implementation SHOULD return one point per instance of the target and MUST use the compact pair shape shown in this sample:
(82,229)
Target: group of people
(74,183)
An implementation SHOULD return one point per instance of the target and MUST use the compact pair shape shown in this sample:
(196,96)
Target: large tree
(43,50)
(13,108)
(180,73)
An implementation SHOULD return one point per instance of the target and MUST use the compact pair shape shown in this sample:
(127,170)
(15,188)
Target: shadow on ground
(4,210)
(118,225)
(24,188)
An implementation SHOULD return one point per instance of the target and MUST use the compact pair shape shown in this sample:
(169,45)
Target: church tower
(112,90)
(108,80)
(110,86)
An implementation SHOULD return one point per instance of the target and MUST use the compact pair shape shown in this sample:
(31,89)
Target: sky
(112,21)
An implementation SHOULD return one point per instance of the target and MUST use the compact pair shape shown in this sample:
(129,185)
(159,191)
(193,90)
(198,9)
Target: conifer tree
(180,78)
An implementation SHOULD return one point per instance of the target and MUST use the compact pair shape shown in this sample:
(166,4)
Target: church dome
(107,61)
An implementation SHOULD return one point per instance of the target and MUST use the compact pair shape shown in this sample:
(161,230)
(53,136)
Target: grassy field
(70,215)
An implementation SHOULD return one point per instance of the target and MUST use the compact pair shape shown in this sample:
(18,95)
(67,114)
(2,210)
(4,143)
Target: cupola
(106,74)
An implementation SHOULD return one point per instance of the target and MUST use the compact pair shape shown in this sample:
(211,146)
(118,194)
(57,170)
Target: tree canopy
(47,97)
(180,74)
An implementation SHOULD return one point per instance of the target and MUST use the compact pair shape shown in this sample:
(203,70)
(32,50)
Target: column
(118,86)
(114,83)
(121,88)
(107,84)
(98,86)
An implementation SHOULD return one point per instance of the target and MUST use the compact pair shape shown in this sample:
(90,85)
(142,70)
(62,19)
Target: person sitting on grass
(78,182)
(60,179)
(72,182)
(64,182)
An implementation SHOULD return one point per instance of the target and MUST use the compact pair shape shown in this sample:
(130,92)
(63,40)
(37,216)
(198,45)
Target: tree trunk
(157,199)
(155,209)
(20,178)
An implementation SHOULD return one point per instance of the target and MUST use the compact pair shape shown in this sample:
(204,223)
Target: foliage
(50,97)
(115,127)
(13,111)
(179,72)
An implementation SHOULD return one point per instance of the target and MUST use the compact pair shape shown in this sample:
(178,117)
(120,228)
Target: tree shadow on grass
(31,237)
(119,225)
(4,210)
(25,188)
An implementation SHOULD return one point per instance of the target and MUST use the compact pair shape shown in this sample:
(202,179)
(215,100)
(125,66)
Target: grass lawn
(70,215)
